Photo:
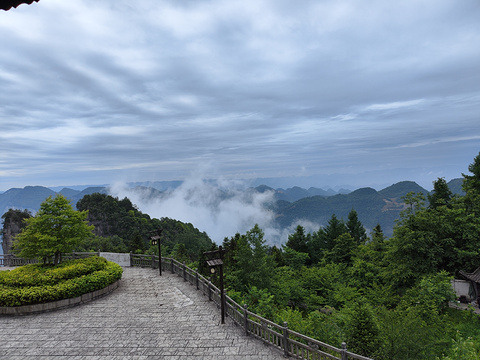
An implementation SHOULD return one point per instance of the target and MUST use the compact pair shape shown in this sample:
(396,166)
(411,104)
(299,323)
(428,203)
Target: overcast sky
(343,92)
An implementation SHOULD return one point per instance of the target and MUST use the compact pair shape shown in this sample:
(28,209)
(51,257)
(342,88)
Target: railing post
(343,352)
(196,279)
(131,259)
(153,261)
(285,338)
(184,272)
(210,289)
(245,315)
(171,265)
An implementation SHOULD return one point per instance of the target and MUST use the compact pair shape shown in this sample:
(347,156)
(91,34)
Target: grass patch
(36,283)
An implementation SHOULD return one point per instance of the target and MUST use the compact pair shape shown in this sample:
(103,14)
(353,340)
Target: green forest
(388,298)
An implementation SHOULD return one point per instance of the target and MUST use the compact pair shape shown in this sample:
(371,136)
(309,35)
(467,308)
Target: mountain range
(293,205)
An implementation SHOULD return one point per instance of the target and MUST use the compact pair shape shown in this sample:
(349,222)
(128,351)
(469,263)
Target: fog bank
(221,208)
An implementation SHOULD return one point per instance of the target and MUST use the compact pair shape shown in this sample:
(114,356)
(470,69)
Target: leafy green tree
(180,253)
(298,240)
(404,335)
(441,194)
(463,349)
(418,328)
(230,246)
(332,231)
(415,202)
(294,259)
(426,241)
(316,246)
(431,296)
(363,334)
(355,228)
(252,264)
(325,326)
(13,223)
(471,186)
(56,228)
(277,256)
(343,250)
(324,286)
(261,302)
(288,289)
(138,243)
(378,239)
(16,216)
(471,183)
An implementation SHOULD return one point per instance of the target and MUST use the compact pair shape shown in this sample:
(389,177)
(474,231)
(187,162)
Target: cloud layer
(221,209)
(96,92)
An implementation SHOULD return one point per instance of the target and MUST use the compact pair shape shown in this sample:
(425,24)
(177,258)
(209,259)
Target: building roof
(475,276)
(8,4)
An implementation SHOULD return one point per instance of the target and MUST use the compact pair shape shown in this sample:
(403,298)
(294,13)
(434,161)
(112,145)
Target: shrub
(38,274)
(34,284)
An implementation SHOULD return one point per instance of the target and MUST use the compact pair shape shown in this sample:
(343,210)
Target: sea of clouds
(221,208)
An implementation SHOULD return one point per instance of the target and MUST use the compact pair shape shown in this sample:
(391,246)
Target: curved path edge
(59,304)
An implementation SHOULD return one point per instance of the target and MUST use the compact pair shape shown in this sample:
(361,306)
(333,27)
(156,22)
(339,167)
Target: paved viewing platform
(147,317)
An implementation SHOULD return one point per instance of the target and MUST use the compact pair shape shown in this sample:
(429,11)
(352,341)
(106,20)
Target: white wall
(461,287)
(120,259)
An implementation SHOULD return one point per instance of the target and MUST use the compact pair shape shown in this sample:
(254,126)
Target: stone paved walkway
(147,317)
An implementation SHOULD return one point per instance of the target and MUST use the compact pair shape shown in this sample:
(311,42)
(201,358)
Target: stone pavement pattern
(147,317)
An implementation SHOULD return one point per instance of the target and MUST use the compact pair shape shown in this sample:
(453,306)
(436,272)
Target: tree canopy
(56,228)
(386,297)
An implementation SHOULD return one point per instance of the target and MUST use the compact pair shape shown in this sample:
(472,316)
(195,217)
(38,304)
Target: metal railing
(12,260)
(292,343)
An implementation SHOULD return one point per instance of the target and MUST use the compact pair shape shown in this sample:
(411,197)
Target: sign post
(156,240)
(214,260)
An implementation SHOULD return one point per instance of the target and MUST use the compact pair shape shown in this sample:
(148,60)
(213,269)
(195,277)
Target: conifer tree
(355,228)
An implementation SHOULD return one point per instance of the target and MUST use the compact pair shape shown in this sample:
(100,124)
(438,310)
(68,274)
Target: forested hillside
(373,207)
(121,227)
(388,298)
(291,207)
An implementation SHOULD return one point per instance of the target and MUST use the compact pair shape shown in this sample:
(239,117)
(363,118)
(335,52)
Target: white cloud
(262,88)
(220,209)
(394,105)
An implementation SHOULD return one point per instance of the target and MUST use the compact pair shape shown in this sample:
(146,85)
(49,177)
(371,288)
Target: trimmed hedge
(33,284)
(38,274)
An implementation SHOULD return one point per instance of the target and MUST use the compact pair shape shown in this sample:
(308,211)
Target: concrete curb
(59,304)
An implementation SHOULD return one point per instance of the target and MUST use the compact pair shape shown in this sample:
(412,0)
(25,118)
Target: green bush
(68,280)
(38,274)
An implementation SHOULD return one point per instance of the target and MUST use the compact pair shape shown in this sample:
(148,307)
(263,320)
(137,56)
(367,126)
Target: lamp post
(215,259)
(156,240)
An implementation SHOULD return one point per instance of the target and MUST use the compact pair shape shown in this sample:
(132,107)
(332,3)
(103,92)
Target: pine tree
(355,228)
(441,194)
(362,330)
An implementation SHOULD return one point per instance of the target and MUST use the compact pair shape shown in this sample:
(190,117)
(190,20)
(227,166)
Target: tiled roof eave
(475,276)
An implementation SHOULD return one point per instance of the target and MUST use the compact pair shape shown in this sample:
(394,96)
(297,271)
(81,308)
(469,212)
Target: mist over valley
(222,208)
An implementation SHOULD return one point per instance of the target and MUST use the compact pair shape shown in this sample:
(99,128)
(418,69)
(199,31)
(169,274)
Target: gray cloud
(101,91)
